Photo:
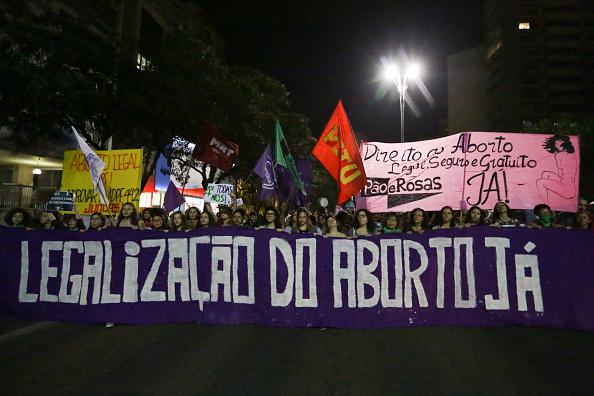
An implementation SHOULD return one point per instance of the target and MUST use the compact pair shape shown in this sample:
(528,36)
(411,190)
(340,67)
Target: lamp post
(392,73)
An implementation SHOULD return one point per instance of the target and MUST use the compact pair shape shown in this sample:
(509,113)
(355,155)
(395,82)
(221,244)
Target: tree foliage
(57,70)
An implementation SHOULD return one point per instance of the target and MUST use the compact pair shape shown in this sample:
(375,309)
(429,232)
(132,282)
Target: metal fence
(21,196)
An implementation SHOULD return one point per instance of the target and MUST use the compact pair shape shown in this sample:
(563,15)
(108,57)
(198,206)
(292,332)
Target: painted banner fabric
(337,150)
(472,168)
(121,176)
(231,275)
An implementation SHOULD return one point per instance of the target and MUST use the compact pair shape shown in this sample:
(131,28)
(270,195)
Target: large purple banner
(473,277)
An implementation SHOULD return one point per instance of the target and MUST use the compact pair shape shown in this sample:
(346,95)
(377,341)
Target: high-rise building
(540,60)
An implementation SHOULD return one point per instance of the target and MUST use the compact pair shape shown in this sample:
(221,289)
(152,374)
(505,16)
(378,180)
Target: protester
(192,218)
(445,219)
(474,217)
(224,215)
(128,218)
(18,218)
(238,217)
(416,222)
(271,219)
(582,203)
(178,221)
(584,220)
(544,217)
(321,223)
(253,220)
(502,216)
(74,222)
(291,221)
(390,224)
(364,224)
(207,219)
(303,224)
(46,221)
(147,214)
(345,223)
(159,222)
(331,228)
(97,222)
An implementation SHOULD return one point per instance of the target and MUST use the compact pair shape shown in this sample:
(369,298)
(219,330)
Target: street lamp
(393,74)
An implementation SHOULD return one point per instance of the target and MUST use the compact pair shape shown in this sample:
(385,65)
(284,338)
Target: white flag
(96,166)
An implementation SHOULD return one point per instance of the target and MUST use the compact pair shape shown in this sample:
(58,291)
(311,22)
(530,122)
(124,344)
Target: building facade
(540,60)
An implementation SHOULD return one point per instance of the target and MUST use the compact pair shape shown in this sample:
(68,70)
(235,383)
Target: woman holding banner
(192,220)
(178,221)
(502,216)
(331,228)
(272,219)
(207,219)
(97,222)
(128,218)
(18,218)
(46,221)
(303,224)
(584,220)
(416,222)
(474,217)
(364,225)
(445,219)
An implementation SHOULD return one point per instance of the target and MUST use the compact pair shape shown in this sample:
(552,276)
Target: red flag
(337,150)
(214,149)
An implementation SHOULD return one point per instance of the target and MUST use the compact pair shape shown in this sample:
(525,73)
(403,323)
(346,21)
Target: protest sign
(122,176)
(219,194)
(61,201)
(479,276)
(472,168)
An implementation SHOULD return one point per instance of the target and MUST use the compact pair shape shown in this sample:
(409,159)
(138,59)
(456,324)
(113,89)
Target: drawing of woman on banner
(562,181)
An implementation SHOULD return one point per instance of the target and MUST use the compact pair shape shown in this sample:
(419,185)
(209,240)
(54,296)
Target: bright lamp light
(413,71)
(391,72)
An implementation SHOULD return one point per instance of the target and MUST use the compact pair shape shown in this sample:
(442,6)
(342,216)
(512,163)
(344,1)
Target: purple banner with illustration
(472,168)
(472,277)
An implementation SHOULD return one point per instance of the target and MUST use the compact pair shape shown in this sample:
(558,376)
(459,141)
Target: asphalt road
(56,358)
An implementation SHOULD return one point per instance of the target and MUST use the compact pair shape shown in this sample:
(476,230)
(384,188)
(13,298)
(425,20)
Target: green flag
(282,157)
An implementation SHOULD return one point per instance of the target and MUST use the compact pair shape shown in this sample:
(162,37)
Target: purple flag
(173,198)
(265,169)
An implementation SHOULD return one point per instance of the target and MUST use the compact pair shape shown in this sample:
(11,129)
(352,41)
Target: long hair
(410,218)
(549,144)
(370,224)
(481,219)
(12,212)
(133,216)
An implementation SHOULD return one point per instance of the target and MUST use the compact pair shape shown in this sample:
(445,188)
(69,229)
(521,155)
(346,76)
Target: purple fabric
(173,198)
(265,169)
(223,276)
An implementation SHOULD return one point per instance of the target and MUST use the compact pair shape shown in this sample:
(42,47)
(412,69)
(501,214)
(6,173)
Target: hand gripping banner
(473,277)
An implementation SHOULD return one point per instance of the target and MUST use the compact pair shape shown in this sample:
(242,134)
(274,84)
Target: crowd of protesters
(344,224)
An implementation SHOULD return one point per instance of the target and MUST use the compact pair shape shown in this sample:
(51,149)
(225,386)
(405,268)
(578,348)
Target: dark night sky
(326,50)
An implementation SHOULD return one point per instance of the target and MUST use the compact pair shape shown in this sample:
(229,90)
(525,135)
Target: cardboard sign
(61,201)
(219,194)
(121,177)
